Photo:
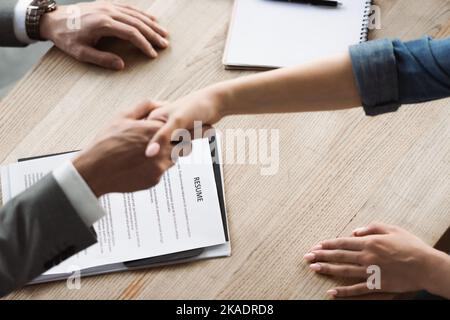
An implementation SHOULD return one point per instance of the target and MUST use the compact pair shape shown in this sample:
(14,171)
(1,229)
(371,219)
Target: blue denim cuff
(375,71)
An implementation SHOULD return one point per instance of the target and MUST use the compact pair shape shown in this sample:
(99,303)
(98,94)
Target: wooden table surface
(338,170)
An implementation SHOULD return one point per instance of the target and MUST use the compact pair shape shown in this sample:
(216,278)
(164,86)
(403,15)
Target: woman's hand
(77,29)
(204,106)
(405,261)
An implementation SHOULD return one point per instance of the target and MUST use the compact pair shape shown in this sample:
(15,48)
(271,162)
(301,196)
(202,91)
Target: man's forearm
(38,229)
(326,84)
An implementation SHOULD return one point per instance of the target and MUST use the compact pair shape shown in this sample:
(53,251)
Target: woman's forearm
(326,84)
(380,75)
(389,74)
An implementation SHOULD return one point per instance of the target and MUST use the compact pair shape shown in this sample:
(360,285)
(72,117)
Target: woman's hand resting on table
(405,261)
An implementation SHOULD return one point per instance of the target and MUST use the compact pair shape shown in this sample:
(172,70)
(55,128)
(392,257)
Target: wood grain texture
(338,170)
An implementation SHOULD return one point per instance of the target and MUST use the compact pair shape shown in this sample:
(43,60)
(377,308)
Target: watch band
(35,11)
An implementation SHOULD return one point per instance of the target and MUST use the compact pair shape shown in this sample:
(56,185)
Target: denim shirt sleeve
(390,73)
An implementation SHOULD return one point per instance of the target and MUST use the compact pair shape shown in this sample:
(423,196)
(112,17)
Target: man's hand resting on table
(116,161)
(405,261)
(98,20)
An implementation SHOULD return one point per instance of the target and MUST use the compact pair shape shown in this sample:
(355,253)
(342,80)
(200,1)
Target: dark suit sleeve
(7,35)
(38,229)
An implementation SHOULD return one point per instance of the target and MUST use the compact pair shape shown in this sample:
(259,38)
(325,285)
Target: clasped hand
(116,161)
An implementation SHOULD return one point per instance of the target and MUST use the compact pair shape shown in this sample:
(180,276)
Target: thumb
(162,137)
(101,58)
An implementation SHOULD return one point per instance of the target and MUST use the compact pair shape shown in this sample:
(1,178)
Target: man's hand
(77,35)
(406,262)
(116,161)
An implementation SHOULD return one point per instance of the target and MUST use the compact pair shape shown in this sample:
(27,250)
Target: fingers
(141,111)
(163,136)
(152,149)
(160,114)
(121,21)
(350,291)
(144,28)
(340,256)
(164,152)
(101,58)
(151,126)
(129,33)
(137,10)
(148,19)
(338,270)
(181,139)
(176,129)
(347,243)
(373,228)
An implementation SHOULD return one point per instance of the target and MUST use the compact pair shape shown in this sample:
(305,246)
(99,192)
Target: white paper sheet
(165,219)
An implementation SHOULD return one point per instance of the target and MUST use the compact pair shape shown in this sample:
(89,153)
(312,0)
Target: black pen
(327,3)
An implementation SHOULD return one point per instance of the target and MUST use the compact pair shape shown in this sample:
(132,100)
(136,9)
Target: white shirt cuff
(20,30)
(79,194)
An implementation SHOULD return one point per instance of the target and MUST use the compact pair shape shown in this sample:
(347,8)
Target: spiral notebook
(266,34)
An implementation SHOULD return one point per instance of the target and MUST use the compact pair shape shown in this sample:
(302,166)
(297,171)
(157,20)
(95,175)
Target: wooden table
(338,170)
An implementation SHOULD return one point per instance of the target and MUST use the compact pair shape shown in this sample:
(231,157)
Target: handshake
(135,150)
(117,159)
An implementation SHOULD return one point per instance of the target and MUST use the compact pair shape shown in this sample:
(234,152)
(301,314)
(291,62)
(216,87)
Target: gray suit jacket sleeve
(7,35)
(38,229)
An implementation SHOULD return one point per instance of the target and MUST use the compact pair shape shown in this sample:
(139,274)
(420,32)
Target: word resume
(181,213)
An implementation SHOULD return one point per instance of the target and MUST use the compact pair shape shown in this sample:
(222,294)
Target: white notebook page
(267,33)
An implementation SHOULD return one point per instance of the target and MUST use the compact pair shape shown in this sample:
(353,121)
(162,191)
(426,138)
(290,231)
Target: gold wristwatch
(35,11)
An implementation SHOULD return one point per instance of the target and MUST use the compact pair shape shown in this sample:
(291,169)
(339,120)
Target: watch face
(42,3)
(45,5)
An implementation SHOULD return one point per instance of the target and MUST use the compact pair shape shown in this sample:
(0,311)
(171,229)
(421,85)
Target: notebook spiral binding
(365,25)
